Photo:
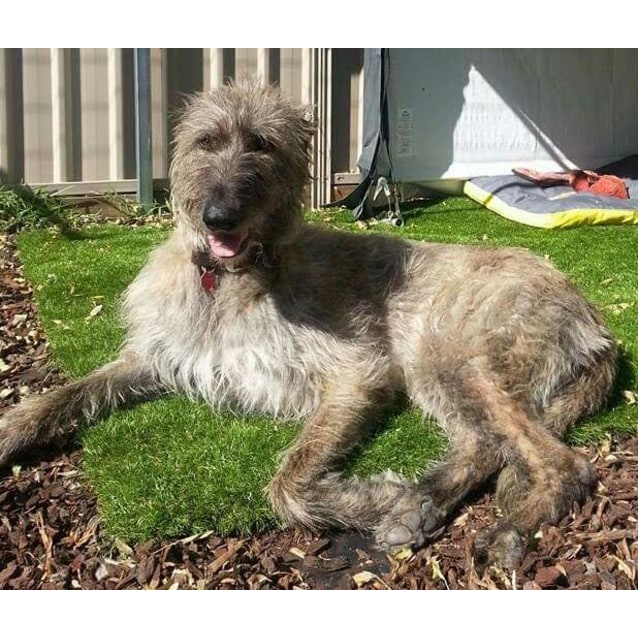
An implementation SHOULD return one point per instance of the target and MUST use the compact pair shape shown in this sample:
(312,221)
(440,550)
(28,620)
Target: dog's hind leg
(473,456)
(489,428)
(44,417)
(543,479)
(305,489)
(442,387)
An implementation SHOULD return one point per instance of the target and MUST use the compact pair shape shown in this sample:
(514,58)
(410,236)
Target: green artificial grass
(172,468)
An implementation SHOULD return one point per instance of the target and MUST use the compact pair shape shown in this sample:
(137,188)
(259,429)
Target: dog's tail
(56,414)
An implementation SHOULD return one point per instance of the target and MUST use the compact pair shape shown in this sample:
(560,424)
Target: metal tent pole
(143,134)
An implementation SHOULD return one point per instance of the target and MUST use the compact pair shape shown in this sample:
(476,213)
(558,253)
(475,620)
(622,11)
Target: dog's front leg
(307,491)
(43,417)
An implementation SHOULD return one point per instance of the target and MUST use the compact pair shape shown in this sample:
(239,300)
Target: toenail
(411,520)
(399,535)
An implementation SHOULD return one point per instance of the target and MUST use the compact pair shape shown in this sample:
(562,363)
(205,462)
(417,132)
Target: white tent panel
(461,113)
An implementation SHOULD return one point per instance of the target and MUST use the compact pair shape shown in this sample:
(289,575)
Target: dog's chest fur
(259,362)
(226,348)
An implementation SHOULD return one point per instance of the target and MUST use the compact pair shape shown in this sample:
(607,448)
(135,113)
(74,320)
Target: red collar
(208,280)
(208,271)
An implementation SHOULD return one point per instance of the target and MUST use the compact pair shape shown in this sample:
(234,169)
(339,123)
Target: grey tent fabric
(374,160)
(374,155)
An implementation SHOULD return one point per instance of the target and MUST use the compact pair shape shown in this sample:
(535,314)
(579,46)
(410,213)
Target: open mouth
(226,245)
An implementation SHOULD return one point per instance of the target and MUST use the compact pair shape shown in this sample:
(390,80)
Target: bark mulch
(51,537)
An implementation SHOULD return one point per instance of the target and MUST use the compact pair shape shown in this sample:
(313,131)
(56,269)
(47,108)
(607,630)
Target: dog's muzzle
(220,217)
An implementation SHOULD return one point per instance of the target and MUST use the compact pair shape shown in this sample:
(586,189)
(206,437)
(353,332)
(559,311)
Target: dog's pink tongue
(225,244)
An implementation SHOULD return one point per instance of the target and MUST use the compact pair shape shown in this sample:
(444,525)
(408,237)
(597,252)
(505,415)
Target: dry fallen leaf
(295,551)
(101,572)
(364,577)
(96,311)
(629,396)
(18,319)
(436,570)
(617,308)
(629,570)
(123,548)
(59,322)
(403,554)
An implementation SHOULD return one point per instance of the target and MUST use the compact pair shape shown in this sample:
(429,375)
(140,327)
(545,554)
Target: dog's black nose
(220,217)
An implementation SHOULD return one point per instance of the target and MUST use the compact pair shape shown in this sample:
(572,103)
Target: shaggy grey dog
(247,306)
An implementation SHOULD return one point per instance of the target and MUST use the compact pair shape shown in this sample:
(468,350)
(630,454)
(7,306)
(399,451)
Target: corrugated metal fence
(67,116)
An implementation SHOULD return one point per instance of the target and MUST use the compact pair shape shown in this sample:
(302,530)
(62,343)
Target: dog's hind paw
(410,523)
(501,546)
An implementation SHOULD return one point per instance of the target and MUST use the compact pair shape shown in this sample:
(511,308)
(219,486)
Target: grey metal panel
(66,114)
(128,116)
(95,137)
(38,144)
(160,115)
(184,75)
(245,63)
(290,72)
(577,102)
(347,68)
(273,66)
(74,116)
(11,119)
(229,64)
(431,82)
(94,95)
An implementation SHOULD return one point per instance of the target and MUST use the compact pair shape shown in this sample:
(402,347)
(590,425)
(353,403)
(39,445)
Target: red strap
(208,280)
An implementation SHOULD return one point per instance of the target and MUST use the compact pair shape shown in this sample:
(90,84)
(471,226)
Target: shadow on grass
(380,423)
(99,233)
(23,207)
(103,232)
(625,378)
(47,452)
(418,207)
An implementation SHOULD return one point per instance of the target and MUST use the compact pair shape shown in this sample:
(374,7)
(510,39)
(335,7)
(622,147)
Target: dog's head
(240,165)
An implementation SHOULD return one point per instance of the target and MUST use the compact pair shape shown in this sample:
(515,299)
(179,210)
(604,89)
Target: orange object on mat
(580,181)
(607,185)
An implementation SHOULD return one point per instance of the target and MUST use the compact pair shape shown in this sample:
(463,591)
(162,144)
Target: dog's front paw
(410,523)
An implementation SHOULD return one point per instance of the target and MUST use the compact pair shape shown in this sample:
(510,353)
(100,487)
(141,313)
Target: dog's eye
(258,144)
(207,142)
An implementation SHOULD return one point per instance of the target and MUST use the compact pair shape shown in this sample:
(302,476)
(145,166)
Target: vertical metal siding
(67,115)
